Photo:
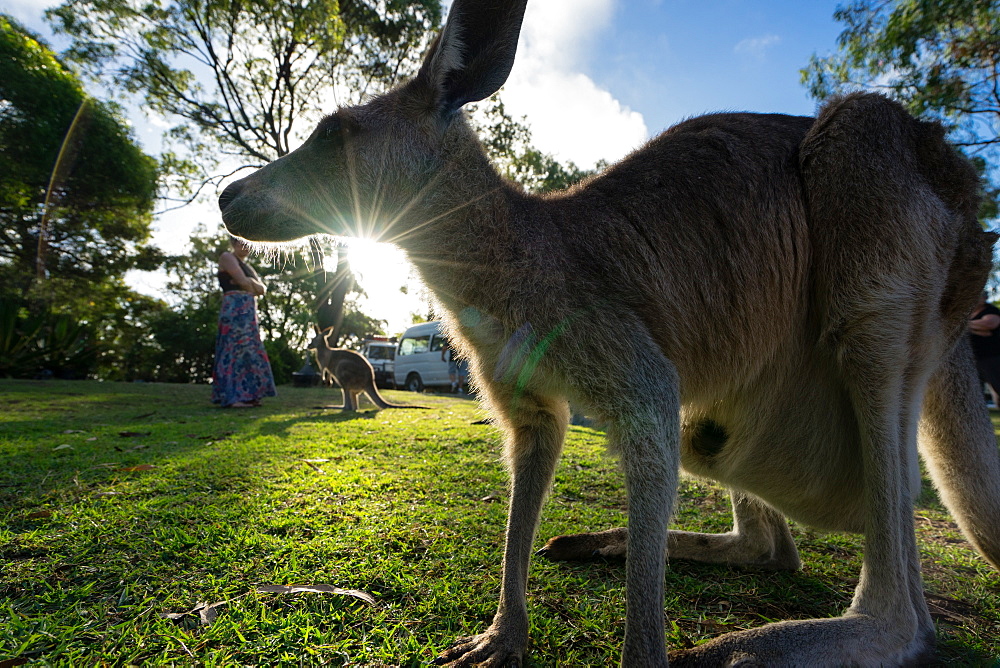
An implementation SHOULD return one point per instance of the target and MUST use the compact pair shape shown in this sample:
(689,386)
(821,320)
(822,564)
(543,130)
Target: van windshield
(414,345)
(381,352)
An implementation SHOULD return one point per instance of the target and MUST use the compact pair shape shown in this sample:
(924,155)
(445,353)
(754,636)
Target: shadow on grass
(80,433)
(406,507)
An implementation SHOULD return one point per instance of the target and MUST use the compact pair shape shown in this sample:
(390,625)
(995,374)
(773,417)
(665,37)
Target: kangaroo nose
(229,194)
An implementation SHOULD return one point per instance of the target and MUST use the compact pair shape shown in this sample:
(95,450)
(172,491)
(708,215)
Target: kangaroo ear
(474,53)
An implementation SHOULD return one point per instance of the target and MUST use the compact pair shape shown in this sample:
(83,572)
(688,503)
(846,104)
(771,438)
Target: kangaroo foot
(608,544)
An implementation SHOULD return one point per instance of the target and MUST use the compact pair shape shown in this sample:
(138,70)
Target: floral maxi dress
(242,372)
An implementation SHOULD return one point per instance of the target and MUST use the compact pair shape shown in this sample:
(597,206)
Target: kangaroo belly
(794,444)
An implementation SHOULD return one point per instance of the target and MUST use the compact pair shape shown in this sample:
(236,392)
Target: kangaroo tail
(959,446)
(382,402)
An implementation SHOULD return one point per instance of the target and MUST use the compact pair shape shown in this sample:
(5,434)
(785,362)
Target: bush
(45,344)
(285,360)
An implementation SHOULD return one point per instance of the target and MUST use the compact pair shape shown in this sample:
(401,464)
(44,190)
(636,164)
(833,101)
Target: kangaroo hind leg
(350,399)
(760,538)
(867,191)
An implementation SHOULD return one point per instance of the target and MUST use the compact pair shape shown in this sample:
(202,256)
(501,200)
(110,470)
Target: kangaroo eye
(331,128)
(334,129)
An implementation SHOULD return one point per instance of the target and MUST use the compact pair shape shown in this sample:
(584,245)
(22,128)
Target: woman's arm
(229,264)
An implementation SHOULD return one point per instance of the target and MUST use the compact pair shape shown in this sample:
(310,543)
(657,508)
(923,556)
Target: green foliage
(76,196)
(243,76)
(939,57)
(18,334)
(70,171)
(358,326)
(183,340)
(44,345)
(285,360)
(102,534)
(244,79)
(508,144)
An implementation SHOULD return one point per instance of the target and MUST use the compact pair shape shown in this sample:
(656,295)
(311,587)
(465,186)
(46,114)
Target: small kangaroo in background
(772,302)
(353,373)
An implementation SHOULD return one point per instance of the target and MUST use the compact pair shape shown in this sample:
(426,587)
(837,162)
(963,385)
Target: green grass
(408,506)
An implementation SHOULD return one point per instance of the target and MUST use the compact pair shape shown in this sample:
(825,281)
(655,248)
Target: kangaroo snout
(258,213)
(239,217)
(231,192)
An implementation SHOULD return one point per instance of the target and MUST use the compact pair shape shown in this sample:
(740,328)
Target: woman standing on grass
(242,374)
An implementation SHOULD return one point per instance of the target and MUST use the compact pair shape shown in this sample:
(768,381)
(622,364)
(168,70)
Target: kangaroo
(351,370)
(773,302)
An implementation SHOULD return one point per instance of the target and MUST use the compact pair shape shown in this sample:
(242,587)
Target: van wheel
(413,383)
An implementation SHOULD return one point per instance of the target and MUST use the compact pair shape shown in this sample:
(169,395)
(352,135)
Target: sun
(381,269)
(373,262)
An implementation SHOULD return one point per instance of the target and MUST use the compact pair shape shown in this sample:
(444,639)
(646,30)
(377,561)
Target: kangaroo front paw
(608,544)
(491,649)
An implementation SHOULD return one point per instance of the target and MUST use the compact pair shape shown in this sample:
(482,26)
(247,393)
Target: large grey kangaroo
(772,302)
(353,373)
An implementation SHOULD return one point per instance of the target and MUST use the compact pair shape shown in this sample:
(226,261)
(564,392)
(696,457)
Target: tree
(331,290)
(508,144)
(941,58)
(76,196)
(76,191)
(243,77)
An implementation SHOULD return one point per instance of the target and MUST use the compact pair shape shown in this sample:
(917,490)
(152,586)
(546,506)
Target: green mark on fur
(534,357)
(524,352)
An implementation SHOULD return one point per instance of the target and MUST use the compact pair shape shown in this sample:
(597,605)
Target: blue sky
(594,79)
(680,58)
(663,61)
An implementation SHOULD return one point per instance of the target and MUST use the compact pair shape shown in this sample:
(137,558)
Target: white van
(418,358)
(381,352)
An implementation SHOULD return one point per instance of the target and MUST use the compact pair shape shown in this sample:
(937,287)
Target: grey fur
(769,301)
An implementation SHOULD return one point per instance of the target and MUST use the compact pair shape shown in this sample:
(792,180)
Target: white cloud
(569,115)
(755,48)
(561,32)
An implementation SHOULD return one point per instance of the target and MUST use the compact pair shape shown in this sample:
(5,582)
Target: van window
(381,353)
(414,345)
(437,342)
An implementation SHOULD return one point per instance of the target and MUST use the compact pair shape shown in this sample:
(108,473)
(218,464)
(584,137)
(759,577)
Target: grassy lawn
(122,503)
